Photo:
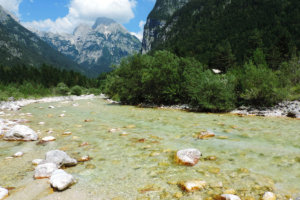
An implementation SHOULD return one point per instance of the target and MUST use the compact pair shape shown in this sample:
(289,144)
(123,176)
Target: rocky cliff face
(156,21)
(95,48)
(19,46)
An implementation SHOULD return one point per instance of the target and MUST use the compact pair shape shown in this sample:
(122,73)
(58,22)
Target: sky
(62,16)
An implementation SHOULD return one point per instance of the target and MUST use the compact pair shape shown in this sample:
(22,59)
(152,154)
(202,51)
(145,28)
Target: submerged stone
(188,157)
(44,170)
(60,158)
(204,135)
(21,133)
(61,180)
(191,186)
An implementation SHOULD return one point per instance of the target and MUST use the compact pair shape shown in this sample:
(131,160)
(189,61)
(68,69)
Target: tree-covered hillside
(222,33)
(19,46)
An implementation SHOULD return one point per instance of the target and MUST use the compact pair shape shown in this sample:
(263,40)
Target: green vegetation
(222,33)
(29,82)
(164,78)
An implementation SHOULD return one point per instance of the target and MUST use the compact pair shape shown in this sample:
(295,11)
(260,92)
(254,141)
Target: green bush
(62,89)
(210,92)
(76,90)
(259,85)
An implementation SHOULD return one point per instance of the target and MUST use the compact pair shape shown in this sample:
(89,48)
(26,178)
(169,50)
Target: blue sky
(65,15)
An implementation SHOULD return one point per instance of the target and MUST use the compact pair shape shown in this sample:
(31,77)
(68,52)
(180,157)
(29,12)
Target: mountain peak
(103,21)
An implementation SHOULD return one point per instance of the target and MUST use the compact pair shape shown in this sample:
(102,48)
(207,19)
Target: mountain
(157,19)
(222,33)
(19,46)
(95,47)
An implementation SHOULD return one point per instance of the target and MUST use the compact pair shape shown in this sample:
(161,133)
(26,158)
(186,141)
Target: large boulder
(188,156)
(44,170)
(3,193)
(61,180)
(21,133)
(60,158)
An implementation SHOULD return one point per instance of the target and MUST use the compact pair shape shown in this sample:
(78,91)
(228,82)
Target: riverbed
(132,151)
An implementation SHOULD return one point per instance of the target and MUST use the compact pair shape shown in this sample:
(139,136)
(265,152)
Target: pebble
(48,139)
(204,135)
(84,159)
(269,196)
(188,157)
(37,161)
(51,107)
(18,154)
(3,193)
(67,133)
(61,115)
(190,186)
(230,197)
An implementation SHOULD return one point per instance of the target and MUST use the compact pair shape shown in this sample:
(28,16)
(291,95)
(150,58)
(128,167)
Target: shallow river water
(253,154)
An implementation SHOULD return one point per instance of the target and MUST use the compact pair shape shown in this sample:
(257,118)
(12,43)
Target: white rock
(48,139)
(60,158)
(62,115)
(3,193)
(269,196)
(190,186)
(37,161)
(61,180)
(230,197)
(188,156)
(44,170)
(41,123)
(51,107)
(216,71)
(18,154)
(21,133)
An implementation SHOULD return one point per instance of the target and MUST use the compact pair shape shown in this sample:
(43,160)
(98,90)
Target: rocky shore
(17,105)
(283,109)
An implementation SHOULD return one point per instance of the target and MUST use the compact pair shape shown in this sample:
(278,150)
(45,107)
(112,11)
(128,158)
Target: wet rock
(61,180)
(60,158)
(3,193)
(188,157)
(84,159)
(18,154)
(230,197)
(21,133)
(67,133)
(44,170)
(269,196)
(37,161)
(48,139)
(204,135)
(190,186)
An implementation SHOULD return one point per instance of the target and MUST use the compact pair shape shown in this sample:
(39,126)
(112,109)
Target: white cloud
(139,34)
(12,6)
(86,11)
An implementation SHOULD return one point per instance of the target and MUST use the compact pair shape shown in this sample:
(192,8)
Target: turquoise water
(254,154)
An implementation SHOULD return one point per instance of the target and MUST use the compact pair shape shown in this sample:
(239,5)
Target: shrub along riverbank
(29,82)
(164,78)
